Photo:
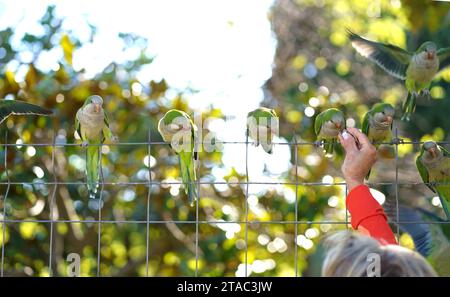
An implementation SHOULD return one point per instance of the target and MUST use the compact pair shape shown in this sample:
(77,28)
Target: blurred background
(223,59)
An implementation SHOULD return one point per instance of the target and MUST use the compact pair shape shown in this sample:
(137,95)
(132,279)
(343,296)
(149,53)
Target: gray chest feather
(90,122)
(328,130)
(377,132)
(423,71)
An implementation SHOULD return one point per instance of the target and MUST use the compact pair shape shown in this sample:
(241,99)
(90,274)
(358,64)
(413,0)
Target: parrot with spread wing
(262,125)
(92,126)
(177,128)
(433,164)
(431,239)
(377,124)
(328,124)
(16,107)
(417,69)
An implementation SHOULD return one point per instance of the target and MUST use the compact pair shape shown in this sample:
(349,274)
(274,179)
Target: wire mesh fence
(149,223)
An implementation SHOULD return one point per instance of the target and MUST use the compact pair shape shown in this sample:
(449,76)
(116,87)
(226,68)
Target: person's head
(353,254)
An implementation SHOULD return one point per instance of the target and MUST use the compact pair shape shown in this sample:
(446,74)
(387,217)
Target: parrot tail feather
(328,147)
(408,107)
(189,177)
(445,206)
(92,170)
(267,146)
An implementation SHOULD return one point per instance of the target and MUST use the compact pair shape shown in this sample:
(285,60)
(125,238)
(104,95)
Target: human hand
(360,156)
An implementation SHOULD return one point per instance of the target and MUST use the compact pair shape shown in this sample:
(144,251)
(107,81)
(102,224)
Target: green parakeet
(16,107)
(177,128)
(430,240)
(433,164)
(417,69)
(92,126)
(377,124)
(327,126)
(262,124)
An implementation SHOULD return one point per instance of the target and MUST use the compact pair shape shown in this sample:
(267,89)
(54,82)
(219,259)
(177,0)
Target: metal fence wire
(99,221)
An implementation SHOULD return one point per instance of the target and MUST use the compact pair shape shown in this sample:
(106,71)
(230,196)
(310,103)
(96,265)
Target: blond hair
(350,254)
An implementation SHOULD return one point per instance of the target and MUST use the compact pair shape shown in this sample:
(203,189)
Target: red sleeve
(368,216)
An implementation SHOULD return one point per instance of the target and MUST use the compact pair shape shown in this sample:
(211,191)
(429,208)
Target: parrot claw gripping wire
(397,141)
(425,94)
(319,143)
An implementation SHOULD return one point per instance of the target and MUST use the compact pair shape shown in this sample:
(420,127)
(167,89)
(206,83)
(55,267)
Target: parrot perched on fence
(92,126)
(377,124)
(433,164)
(417,69)
(430,240)
(177,128)
(262,124)
(16,107)
(328,124)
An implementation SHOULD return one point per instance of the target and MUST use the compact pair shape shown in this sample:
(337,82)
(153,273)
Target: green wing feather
(15,107)
(444,190)
(188,176)
(444,57)
(318,123)
(187,167)
(194,131)
(365,129)
(390,58)
(423,171)
(107,134)
(77,127)
(365,124)
(444,151)
(408,106)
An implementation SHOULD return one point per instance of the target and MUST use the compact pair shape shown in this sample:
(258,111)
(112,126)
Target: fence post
(4,205)
(52,204)
(148,200)
(296,204)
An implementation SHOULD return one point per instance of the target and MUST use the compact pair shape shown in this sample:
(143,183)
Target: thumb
(347,141)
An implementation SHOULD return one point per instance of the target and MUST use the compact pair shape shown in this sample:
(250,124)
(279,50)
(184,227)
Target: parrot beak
(97,107)
(433,152)
(389,119)
(339,126)
(430,55)
(174,127)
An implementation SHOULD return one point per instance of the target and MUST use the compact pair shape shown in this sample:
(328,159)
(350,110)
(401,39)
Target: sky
(222,48)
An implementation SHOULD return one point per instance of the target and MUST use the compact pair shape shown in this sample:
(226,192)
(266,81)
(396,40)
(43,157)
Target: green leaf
(67,47)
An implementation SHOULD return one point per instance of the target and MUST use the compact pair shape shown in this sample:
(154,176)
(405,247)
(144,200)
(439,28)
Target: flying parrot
(92,126)
(417,69)
(262,124)
(377,124)
(177,128)
(327,126)
(16,107)
(433,164)
(431,239)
